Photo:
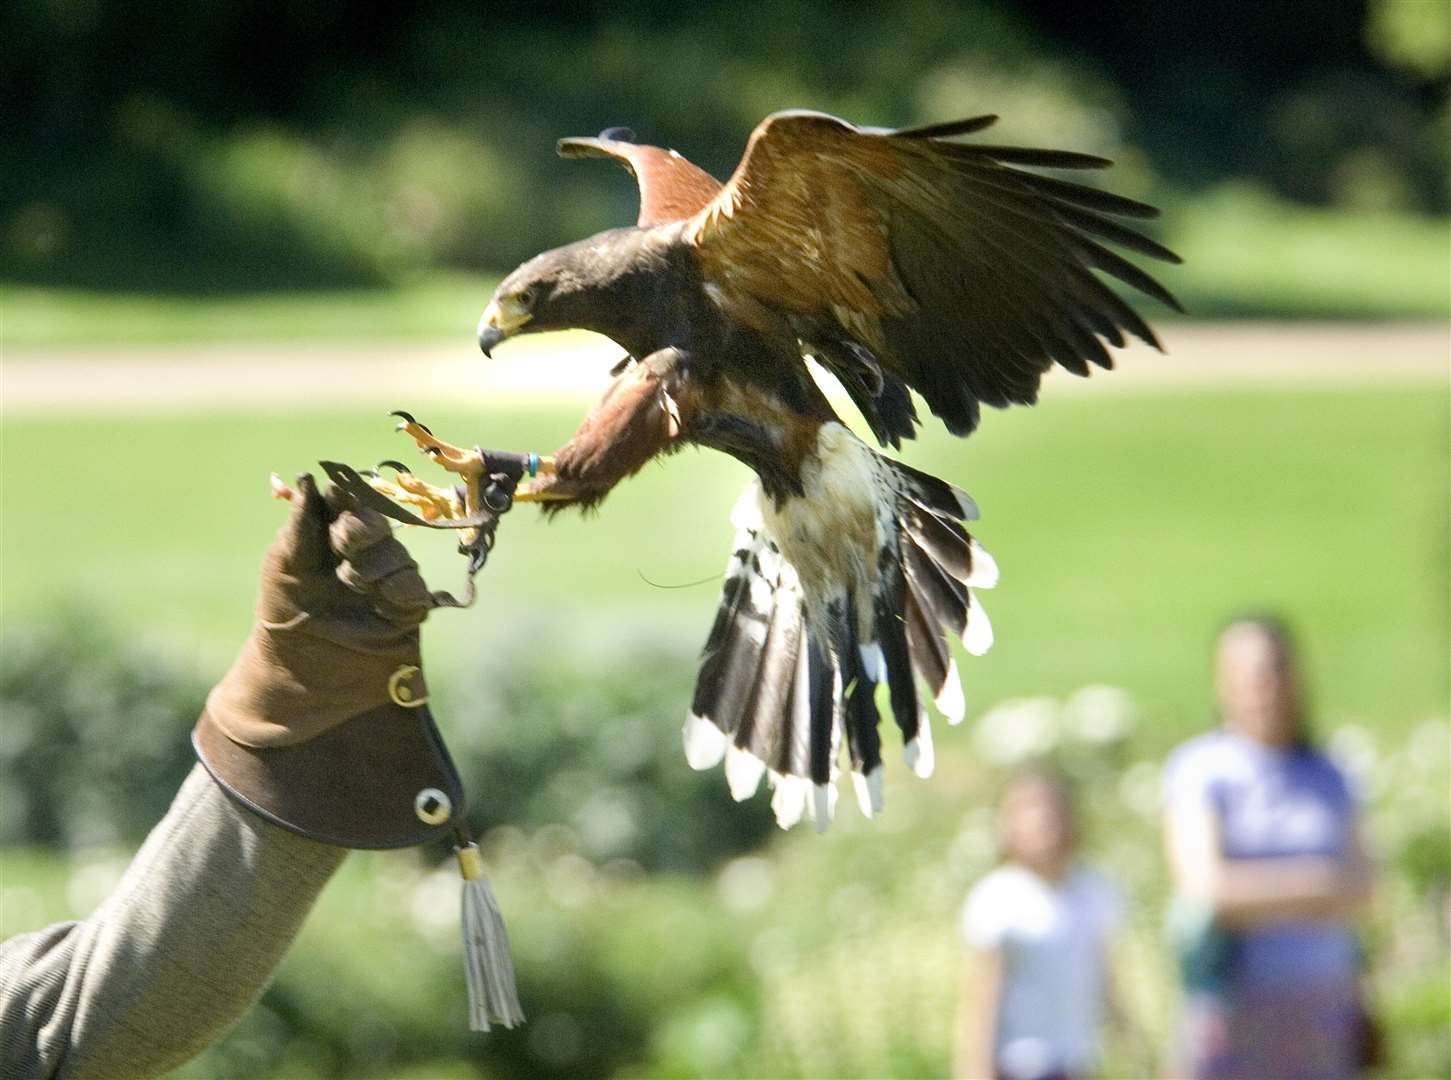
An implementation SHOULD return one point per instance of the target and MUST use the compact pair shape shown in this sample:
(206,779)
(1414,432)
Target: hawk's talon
(407,418)
(466,463)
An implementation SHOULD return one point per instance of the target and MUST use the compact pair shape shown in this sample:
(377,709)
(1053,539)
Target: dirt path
(250,377)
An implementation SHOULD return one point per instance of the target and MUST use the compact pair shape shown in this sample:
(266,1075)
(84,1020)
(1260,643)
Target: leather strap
(495,497)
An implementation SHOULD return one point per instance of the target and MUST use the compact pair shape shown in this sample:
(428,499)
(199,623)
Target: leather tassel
(487,963)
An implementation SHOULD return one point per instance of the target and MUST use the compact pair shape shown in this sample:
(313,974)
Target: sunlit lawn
(1126,528)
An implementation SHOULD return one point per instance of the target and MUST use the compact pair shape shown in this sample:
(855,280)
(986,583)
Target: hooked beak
(498,322)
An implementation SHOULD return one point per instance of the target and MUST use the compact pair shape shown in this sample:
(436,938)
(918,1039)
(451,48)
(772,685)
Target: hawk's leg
(469,464)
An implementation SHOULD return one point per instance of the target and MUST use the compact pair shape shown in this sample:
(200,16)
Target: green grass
(1247,254)
(436,306)
(1127,527)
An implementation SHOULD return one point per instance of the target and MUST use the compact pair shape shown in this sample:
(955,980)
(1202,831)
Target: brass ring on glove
(401,695)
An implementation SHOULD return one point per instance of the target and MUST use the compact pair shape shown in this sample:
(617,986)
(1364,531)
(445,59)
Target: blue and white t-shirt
(1052,939)
(1271,803)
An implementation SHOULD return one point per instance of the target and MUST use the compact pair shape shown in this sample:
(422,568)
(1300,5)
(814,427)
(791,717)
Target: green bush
(94,734)
(592,745)
(96,743)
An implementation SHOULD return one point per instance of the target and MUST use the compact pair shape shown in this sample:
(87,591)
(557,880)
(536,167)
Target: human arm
(1246,892)
(221,886)
(979,1001)
(173,957)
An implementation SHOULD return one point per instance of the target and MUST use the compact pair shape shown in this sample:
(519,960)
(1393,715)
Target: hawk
(900,260)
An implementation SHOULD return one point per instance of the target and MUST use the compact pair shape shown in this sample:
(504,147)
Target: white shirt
(1052,940)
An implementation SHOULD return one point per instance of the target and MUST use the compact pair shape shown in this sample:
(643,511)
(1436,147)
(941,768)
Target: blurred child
(1038,928)
(1264,843)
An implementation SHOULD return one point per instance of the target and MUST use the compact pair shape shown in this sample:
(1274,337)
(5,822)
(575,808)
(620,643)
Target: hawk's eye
(526,298)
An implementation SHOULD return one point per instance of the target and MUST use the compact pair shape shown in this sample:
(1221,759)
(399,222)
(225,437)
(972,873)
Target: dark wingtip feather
(949,128)
(1045,159)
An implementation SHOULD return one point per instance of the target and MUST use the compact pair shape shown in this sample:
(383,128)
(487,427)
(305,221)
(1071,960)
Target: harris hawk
(900,260)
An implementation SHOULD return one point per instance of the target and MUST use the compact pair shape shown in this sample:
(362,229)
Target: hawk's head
(589,285)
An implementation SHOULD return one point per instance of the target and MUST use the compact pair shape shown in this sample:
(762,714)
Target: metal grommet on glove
(401,694)
(432,806)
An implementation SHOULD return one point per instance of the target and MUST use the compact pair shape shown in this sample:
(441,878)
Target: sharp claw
(407,418)
(396,466)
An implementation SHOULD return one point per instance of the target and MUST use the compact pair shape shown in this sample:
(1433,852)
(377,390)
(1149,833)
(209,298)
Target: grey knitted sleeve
(172,958)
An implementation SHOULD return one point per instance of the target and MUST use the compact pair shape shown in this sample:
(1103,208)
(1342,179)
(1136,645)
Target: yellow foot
(429,502)
(469,464)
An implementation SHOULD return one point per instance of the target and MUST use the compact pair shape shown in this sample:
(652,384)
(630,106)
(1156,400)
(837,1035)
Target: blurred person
(314,742)
(1264,845)
(1038,977)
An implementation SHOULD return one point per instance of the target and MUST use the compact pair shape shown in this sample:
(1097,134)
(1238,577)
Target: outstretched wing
(965,275)
(671,188)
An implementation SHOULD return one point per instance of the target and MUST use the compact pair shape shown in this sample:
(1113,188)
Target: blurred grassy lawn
(1126,526)
(430,307)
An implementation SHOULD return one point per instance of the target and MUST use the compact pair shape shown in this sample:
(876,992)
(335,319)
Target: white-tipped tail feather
(743,772)
(977,637)
(868,788)
(949,700)
(789,801)
(919,754)
(705,744)
(859,583)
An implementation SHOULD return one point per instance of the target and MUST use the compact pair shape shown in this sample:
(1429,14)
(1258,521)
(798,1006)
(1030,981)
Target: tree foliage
(265,144)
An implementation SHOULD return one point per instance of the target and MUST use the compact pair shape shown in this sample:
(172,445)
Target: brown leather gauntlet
(322,724)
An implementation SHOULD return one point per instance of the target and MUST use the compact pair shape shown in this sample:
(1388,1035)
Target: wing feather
(966,275)
(671,188)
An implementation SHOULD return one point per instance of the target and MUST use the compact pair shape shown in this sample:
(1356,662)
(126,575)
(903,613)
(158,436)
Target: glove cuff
(382,779)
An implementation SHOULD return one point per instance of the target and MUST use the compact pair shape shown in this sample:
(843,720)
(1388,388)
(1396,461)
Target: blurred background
(233,235)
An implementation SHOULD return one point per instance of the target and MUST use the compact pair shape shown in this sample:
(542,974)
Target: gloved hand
(322,723)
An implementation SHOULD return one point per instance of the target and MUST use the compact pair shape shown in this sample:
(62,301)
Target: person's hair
(1058,783)
(1274,627)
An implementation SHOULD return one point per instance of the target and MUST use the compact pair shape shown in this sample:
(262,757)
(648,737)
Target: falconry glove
(322,725)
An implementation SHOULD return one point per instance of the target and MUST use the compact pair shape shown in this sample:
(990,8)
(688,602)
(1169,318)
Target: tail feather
(933,662)
(786,679)
(945,542)
(934,494)
(940,596)
(824,691)
(727,679)
(863,741)
(764,729)
(892,637)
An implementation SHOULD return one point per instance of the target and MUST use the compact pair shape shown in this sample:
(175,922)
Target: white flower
(745,884)
(1353,748)
(1140,788)
(1018,729)
(1100,715)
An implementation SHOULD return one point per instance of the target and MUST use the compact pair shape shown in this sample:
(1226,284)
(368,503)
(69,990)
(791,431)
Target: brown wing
(966,275)
(671,188)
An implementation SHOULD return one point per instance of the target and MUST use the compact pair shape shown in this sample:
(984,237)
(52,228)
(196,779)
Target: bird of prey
(899,260)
